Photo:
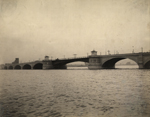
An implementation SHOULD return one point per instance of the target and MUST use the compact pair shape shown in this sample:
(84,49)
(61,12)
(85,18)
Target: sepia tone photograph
(74,58)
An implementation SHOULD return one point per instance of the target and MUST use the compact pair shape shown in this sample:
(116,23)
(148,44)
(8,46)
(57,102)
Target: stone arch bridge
(95,62)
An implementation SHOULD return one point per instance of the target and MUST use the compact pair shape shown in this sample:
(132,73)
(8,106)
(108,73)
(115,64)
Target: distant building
(16,61)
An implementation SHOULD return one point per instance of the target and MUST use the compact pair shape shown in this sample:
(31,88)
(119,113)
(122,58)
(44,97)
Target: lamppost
(108,52)
(51,57)
(133,49)
(142,49)
(74,55)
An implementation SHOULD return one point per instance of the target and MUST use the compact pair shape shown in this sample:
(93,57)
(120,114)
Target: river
(75,93)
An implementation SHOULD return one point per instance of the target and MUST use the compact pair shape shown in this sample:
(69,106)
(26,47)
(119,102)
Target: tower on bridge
(93,53)
(47,64)
(94,61)
(46,58)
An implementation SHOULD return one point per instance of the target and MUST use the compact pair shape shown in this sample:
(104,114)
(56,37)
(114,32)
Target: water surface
(75,93)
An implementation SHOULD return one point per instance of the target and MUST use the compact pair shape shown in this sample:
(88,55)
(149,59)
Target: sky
(32,29)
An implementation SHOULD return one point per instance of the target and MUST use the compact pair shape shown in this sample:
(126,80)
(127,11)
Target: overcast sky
(31,29)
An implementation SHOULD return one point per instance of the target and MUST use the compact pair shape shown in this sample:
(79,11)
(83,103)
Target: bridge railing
(70,58)
(29,62)
(123,54)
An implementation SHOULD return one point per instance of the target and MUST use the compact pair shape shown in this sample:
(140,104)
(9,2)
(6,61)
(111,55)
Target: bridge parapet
(124,54)
(70,58)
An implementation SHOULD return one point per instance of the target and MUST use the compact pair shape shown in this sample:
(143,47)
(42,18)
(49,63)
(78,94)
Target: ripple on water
(89,93)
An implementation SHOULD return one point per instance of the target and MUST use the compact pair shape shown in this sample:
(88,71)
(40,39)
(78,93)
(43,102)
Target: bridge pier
(140,61)
(94,63)
(47,64)
(141,66)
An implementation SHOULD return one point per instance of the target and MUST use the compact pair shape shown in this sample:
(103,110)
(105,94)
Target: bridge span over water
(94,61)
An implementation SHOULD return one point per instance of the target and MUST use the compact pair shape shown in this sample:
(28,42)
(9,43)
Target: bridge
(94,61)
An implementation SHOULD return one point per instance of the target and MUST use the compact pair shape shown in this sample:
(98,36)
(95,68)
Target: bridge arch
(67,61)
(17,67)
(27,66)
(5,67)
(110,63)
(62,64)
(147,64)
(10,67)
(38,66)
(77,65)
(81,61)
